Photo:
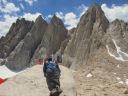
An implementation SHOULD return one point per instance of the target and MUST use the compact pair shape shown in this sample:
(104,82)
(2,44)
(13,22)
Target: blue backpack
(50,68)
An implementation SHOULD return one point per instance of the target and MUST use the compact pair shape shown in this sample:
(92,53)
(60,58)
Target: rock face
(16,33)
(21,56)
(87,37)
(117,33)
(66,41)
(55,34)
(107,63)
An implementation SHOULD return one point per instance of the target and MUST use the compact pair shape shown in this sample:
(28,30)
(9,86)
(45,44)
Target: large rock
(21,56)
(65,42)
(55,34)
(87,37)
(16,33)
(32,83)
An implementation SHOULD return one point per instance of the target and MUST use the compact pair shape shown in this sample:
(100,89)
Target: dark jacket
(55,74)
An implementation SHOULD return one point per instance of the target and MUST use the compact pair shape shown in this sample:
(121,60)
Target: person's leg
(52,87)
(56,82)
(57,85)
(50,84)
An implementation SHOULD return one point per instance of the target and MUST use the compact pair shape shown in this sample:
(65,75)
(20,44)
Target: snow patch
(89,75)
(118,66)
(121,82)
(119,52)
(118,78)
(6,73)
(123,34)
(114,73)
(126,81)
(29,34)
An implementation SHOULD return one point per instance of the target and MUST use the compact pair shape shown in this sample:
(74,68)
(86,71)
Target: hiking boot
(53,91)
(59,90)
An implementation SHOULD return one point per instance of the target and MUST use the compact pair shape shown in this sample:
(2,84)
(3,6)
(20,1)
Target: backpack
(50,68)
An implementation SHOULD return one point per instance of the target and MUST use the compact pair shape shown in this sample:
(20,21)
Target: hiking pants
(52,83)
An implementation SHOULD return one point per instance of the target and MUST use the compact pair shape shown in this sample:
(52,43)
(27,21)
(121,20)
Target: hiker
(52,73)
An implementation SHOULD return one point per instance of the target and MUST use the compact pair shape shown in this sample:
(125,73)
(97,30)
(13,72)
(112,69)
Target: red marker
(2,80)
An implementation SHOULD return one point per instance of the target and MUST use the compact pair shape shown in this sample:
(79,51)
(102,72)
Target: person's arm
(44,67)
(58,68)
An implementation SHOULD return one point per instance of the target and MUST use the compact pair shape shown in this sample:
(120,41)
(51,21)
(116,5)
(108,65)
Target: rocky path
(32,83)
(95,82)
(98,83)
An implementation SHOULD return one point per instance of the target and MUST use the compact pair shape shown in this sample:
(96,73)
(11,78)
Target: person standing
(52,73)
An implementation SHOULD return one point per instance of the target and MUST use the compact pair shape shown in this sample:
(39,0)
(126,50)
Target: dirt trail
(33,83)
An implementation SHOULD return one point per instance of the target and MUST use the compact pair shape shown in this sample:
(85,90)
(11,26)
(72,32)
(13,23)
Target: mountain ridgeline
(95,41)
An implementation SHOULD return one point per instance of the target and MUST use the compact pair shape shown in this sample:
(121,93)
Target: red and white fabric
(6,73)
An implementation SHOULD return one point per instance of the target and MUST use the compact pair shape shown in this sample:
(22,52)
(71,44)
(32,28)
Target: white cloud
(8,7)
(50,16)
(6,24)
(71,20)
(30,16)
(3,1)
(47,18)
(8,20)
(60,15)
(113,12)
(30,2)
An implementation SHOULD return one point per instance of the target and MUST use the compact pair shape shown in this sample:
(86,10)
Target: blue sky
(47,7)
(68,10)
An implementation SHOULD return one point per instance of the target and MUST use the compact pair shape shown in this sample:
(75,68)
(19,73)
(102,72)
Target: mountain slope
(16,33)
(21,56)
(87,37)
(55,35)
